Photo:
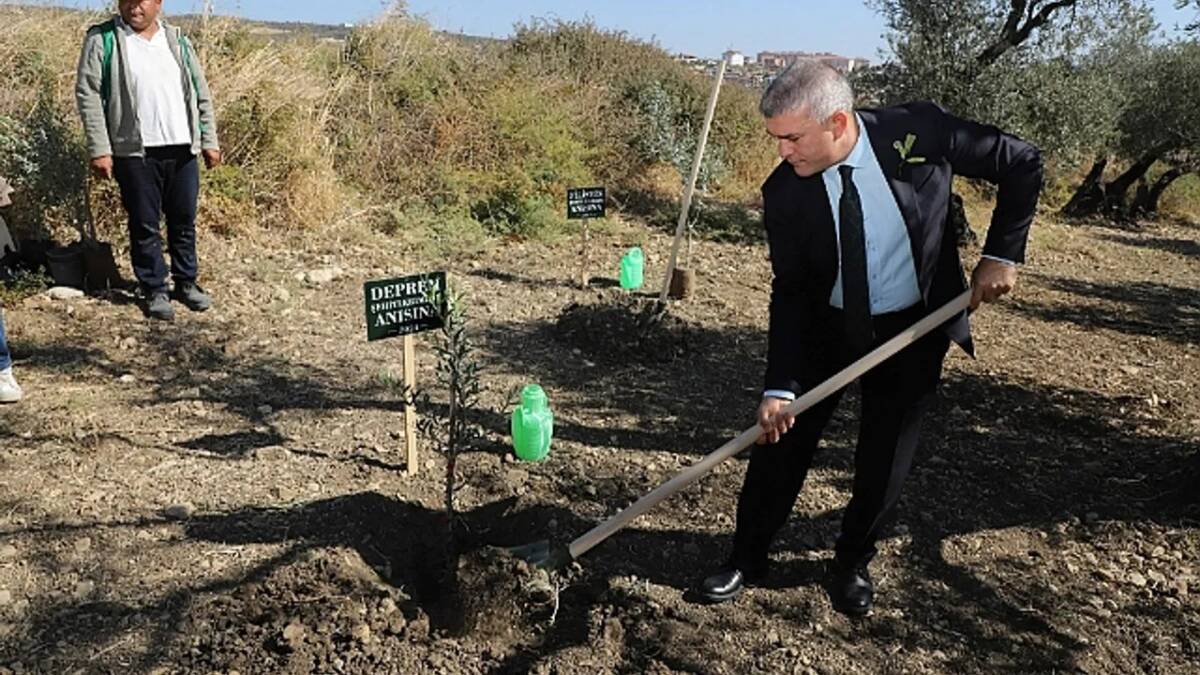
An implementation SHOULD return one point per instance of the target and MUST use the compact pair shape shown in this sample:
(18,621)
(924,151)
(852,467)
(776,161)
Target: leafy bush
(41,155)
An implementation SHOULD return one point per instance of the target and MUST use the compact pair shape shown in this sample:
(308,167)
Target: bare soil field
(228,493)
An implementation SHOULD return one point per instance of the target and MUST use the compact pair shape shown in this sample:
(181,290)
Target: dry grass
(400,120)
(35,59)
(400,129)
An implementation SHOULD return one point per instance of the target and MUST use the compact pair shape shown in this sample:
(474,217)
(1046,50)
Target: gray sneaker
(192,296)
(159,307)
(10,391)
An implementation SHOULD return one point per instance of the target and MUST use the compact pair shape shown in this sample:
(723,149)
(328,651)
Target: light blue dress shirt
(891,272)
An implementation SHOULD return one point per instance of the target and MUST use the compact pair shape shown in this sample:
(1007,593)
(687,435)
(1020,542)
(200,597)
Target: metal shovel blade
(542,554)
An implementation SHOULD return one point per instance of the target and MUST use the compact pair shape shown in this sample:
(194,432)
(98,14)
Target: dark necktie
(856,294)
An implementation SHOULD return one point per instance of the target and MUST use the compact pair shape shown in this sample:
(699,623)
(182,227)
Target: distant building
(846,65)
(772,60)
(734,58)
(781,60)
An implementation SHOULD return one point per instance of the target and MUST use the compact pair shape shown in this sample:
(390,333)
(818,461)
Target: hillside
(292,30)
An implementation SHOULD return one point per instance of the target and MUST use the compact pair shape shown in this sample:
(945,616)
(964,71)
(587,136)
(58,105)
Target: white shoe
(10,391)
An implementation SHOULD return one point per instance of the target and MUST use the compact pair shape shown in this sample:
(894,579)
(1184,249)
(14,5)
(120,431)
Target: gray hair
(808,85)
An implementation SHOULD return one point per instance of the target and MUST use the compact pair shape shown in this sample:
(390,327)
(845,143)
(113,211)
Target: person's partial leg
(773,480)
(10,391)
(179,203)
(141,183)
(895,396)
(181,190)
(5,355)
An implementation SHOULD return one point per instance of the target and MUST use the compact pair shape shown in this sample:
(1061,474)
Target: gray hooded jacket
(110,125)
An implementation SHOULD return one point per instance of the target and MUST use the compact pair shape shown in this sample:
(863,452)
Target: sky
(700,27)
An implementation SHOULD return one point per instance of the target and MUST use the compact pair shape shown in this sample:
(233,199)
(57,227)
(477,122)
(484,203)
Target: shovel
(545,555)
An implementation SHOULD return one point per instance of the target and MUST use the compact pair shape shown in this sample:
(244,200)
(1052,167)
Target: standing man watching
(147,114)
(856,224)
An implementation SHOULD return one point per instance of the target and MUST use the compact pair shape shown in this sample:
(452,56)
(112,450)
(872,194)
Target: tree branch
(1014,32)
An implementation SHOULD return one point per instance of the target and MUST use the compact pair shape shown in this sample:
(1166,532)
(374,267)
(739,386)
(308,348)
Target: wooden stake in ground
(410,404)
(585,204)
(401,308)
(691,184)
(583,271)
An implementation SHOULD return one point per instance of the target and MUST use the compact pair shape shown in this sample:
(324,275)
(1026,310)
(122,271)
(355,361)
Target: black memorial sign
(585,203)
(405,306)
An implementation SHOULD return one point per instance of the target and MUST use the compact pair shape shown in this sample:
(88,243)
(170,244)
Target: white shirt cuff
(779,393)
(1006,261)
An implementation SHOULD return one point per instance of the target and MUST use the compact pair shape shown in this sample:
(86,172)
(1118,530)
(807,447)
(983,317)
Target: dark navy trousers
(164,182)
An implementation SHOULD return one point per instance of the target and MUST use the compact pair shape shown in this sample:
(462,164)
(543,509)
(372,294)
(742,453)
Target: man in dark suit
(856,224)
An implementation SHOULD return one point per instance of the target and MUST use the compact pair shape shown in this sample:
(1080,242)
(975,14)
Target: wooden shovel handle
(697,161)
(810,398)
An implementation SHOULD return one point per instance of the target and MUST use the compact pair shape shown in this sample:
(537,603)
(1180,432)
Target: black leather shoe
(723,586)
(726,584)
(850,589)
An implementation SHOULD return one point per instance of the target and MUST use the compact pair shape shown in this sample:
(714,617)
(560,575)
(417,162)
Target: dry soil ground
(227,493)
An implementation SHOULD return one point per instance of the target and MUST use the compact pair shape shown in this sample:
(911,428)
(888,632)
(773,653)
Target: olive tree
(1050,71)
(1194,26)
(1163,123)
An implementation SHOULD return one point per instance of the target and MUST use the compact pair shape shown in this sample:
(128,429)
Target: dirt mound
(330,612)
(502,597)
(620,327)
(326,612)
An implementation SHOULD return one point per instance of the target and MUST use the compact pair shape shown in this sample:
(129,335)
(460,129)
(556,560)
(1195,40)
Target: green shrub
(44,157)
(668,135)
(442,234)
(1182,198)
(22,285)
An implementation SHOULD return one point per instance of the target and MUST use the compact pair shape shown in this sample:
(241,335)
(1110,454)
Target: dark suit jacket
(803,244)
